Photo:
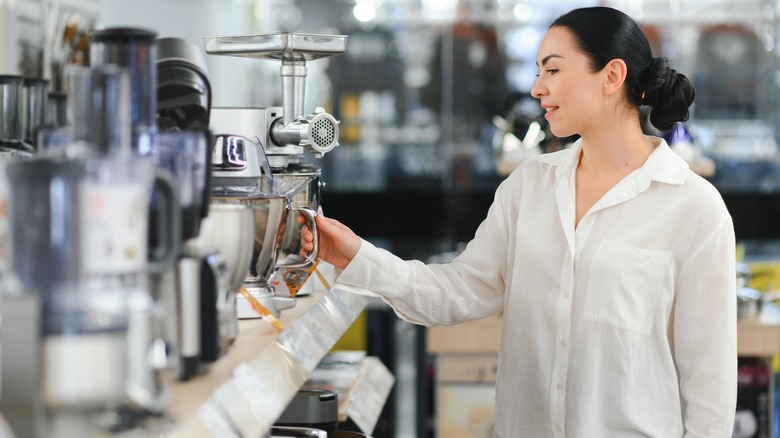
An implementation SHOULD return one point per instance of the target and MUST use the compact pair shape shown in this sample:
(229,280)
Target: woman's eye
(550,71)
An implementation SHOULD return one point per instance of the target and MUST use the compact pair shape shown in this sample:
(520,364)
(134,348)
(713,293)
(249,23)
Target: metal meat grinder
(277,139)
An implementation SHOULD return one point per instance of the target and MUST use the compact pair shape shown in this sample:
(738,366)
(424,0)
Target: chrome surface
(188,273)
(226,302)
(318,131)
(146,386)
(293,89)
(235,161)
(292,431)
(291,128)
(228,229)
(282,45)
(272,216)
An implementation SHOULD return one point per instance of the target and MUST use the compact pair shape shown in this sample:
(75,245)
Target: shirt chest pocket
(624,285)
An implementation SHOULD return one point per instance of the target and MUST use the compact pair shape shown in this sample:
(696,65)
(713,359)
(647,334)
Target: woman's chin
(561,133)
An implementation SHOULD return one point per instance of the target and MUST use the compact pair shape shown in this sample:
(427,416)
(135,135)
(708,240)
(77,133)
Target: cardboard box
(466,369)
(480,336)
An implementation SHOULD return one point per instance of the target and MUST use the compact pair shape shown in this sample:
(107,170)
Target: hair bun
(670,93)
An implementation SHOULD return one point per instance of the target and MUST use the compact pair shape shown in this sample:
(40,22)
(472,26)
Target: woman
(612,262)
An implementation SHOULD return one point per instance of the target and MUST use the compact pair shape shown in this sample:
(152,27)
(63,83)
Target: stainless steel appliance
(236,166)
(283,132)
(285,136)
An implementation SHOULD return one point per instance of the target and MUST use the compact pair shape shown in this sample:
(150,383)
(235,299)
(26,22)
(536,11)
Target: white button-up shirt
(623,326)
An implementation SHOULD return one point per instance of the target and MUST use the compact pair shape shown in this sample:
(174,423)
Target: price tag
(215,421)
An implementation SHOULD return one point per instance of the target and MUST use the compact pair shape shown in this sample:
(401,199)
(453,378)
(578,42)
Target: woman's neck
(615,150)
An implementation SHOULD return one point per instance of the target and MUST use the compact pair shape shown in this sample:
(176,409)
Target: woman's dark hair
(604,34)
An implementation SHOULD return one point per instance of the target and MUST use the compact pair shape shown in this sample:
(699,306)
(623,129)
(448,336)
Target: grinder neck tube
(293,74)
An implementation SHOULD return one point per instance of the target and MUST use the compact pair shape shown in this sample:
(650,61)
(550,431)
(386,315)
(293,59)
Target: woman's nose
(537,89)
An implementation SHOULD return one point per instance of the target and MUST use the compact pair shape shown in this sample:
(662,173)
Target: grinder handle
(163,257)
(310,258)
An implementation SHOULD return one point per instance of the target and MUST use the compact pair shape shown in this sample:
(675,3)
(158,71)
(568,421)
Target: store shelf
(246,390)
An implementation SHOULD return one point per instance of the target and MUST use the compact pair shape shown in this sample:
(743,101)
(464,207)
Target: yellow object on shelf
(765,275)
(356,336)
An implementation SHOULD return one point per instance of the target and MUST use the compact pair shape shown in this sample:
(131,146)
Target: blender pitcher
(117,257)
(77,322)
(136,50)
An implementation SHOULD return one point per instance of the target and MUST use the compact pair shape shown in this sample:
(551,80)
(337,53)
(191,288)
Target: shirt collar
(663,164)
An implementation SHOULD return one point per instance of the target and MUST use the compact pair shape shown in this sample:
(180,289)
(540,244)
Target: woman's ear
(615,75)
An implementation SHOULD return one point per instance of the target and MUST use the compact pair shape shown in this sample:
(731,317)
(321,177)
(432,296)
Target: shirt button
(559,427)
(559,387)
(563,342)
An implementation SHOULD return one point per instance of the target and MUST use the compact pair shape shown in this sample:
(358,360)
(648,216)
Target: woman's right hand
(338,243)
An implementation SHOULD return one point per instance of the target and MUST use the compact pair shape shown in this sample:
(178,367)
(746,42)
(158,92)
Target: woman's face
(568,90)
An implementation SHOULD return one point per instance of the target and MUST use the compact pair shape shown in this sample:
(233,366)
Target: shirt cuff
(373,272)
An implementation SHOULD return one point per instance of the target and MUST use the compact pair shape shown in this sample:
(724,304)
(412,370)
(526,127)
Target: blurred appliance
(133,222)
(98,109)
(312,409)
(51,320)
(183,87)
(12,142)
(202,318)
(204,321)
(136,50)
(35,103)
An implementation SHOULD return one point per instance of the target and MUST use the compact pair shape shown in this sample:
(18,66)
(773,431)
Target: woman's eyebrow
(548,57)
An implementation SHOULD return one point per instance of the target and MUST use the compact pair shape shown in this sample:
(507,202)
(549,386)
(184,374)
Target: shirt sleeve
(470,287)
(705,334)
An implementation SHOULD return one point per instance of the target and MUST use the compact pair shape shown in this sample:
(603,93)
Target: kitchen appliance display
(131,230)
(281,135)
